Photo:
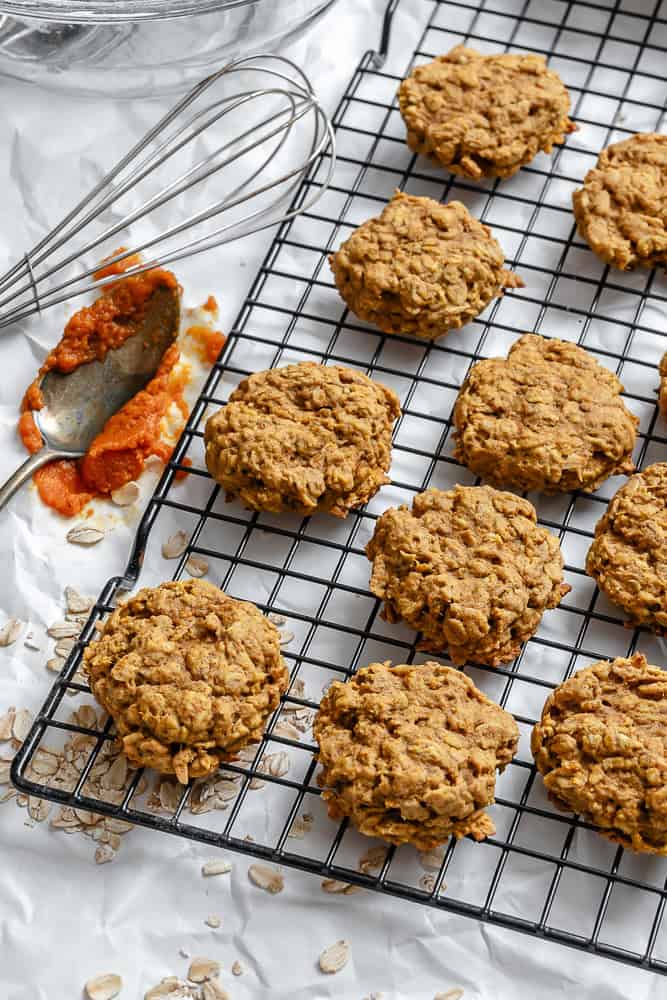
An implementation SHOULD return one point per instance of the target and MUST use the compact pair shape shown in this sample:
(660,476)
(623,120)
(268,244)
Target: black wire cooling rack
(545,873)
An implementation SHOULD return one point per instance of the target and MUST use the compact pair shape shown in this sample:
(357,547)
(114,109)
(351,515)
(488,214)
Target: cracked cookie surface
(548,417)
(621,210)
(304,438)
(601,746)
(470,568)
(484,115)
(420,268)
(410,753)
(628,557)
(188,674)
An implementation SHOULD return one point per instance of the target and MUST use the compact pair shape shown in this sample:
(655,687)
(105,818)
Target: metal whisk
(239,144)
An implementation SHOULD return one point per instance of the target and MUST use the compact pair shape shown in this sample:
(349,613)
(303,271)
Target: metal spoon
(77,405)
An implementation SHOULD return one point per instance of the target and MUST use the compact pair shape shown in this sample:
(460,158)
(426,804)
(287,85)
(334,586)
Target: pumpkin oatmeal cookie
(621,210)
(548,417)
(420,268)
(469,568)
(601,746)
(484,115)
(628,557)
(188,674)
(410,753)
(303,438)
(662,398)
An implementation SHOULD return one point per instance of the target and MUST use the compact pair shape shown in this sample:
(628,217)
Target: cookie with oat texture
(484,115)
(188,674)
(601,747)
(410,753)
(420,268)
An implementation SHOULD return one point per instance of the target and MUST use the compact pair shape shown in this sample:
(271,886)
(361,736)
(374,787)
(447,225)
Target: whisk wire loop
(275,129)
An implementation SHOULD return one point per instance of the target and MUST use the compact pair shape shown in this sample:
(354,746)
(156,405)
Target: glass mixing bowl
(139,48)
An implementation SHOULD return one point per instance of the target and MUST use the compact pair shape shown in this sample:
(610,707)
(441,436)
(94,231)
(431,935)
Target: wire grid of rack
(544,872)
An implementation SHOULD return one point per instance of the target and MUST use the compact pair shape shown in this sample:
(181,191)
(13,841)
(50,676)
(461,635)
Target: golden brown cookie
(601,746)
(420,268)
(621,210)
(548,418)
(628,557)
(303,438)
(188,674)
(484,116)
(662,398)
(469,568)
(410,753)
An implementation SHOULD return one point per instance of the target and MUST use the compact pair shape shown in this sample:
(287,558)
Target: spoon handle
(25,471)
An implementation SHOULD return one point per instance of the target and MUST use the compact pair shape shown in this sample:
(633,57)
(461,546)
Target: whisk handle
(25,471)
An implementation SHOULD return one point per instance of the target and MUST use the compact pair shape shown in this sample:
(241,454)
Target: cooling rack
(545,873)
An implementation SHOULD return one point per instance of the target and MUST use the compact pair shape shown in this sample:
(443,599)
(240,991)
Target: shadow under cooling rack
(544,872)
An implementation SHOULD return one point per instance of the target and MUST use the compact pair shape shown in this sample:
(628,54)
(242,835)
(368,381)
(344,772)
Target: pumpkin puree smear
(118,454)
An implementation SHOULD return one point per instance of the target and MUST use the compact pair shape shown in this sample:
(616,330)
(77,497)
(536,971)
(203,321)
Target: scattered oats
(39,809)
(247,753)
(22,724)
(286,637)
(55,664)
(63,630)
(126,495)
(10,632)
(276,764)
(202,969)
(287,730)
(104,987)
(216,868)
(269,879)
(86,717)
(431,861)
(454,994)
(21,800)
(9,793)
(196,566)
(86,817)
(83,534)
(116,776)
(255,784)
(334,958)
(119,826)
(340,888)
(104,854)
(277,619)
(29,642)
(170,795)
(301,826)
(372,860)
(5,768)
(64,647)
(170,988)
(427,883)
(212,990)
(297,690)
(76,604)
(213,921)
(7,724)
(175,545)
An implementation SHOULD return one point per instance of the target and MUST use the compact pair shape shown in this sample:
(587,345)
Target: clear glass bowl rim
(118,11)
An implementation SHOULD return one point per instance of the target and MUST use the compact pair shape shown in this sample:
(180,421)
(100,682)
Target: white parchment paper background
(64,919)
